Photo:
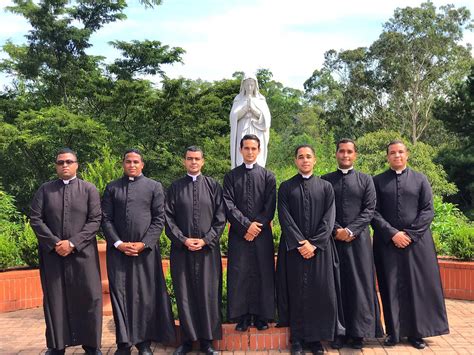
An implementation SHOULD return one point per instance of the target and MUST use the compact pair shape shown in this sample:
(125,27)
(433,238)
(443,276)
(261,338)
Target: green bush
(103,170)
(28,245)
(224,241)
(9,255)
(165,245)
(461,243)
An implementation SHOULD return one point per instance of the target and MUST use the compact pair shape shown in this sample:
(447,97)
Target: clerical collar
(249,166)
(345,171)
(194,177)
(306,177)
(133,178)
(399,171)
(66,182)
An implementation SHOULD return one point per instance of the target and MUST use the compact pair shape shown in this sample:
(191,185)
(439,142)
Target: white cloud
(287,37)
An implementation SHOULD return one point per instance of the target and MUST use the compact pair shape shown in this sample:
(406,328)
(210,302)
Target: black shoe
(183,349)
(316,347)
(338,343)
(390,341)
(296,348)
(244,324)
(123,351)
(54,352)
(417,343)
(357,343)
(90,350)
(260,324)
(144,348)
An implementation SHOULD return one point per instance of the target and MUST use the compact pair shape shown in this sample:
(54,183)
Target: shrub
(165,245)
(9,255)
(224,241)
(28,245)
(461,243)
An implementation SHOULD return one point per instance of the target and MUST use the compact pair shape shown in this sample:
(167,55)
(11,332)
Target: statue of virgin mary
(249,115)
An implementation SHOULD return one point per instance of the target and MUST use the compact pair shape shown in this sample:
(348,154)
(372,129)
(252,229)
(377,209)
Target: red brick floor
(22,332)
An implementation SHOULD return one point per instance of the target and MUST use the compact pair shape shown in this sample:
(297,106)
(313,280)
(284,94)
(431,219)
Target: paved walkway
(22,332)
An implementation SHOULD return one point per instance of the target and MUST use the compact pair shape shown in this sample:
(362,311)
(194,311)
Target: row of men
(324,279)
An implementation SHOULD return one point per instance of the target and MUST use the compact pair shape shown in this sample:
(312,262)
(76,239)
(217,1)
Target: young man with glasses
(65,215)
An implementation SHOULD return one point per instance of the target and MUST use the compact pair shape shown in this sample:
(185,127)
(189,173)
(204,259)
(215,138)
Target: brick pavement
(22,332)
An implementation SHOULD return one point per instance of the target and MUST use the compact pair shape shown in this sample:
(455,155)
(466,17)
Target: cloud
(220,37)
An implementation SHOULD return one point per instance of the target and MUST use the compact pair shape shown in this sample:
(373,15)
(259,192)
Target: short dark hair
(66,151)
(193,148)
(396,141)
(249,137)
(346,140)
(133,150)
(304,146)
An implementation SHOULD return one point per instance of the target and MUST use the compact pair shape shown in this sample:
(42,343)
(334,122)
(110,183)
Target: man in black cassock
(404,252)
(195,219)
(65,216)
(355,206)
(133,218)
(307,269)
(250,198)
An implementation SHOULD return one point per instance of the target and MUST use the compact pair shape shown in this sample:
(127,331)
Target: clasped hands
(307,250)
(194,244)
(131,249)
(63,248)
(253,231)
(401,240)
(343,235)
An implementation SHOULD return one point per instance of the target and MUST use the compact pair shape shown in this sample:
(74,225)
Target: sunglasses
(67,162)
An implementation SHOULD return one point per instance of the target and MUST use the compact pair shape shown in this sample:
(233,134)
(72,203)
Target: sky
(221,37)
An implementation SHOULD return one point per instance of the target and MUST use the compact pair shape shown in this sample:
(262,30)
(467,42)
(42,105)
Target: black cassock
(250,195)
(72,290)
(409,280)
(133,211)
(355,205)
(308,289)
(196,209)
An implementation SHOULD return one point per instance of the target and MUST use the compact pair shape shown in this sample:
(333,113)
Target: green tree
(394,83)
(456,111)
(418,58)
(28,147)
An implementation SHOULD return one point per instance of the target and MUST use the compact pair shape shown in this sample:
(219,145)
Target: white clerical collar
(66,182)
(194,177)
(132,178)
(399,171)
(249,166)
(345,171)
(306,176)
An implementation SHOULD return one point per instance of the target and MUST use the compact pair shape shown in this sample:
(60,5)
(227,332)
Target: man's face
(66,166)
(346,155)
(397,156)
(132,165)
(305,161)
(193,162)
(249,151)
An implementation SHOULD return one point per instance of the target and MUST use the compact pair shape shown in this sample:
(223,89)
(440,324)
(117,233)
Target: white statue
(249,115)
